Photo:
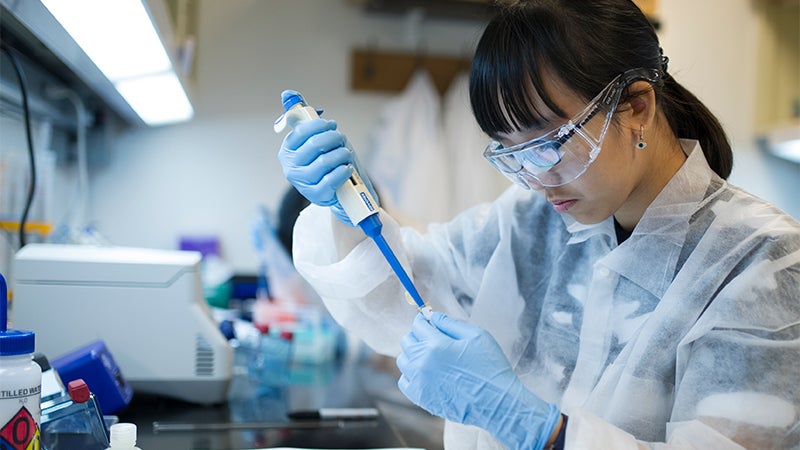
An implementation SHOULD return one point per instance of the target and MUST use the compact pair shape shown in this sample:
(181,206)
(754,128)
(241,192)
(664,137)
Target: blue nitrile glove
(317,159)
(457,371)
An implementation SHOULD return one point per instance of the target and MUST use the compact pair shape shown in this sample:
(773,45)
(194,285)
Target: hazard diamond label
(20,433)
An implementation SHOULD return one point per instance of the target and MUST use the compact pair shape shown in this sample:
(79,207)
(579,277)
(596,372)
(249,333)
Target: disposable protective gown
(687,335)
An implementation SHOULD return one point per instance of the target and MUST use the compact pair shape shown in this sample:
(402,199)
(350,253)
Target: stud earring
(641,145)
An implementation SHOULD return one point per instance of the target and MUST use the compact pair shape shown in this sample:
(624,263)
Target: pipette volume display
(354,196)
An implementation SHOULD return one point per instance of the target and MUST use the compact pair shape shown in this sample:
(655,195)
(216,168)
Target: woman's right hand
(316,160)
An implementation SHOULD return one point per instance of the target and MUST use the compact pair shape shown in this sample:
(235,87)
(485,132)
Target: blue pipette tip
(427,312)
(398,270)
(372,227)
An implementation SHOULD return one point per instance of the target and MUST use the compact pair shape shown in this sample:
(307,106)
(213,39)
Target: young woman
(620,295)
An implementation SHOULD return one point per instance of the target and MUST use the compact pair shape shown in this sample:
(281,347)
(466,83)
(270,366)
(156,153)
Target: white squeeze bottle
(123,437)
(20,384)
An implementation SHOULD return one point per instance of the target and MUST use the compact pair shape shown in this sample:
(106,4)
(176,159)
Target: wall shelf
(373,70)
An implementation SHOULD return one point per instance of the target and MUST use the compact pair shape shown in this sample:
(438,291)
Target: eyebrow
(542,125)
(563,138)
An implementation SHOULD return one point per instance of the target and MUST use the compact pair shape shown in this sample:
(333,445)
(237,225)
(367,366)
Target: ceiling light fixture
(121,40)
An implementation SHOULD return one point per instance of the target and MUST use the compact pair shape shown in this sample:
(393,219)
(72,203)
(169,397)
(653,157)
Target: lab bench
(255,415)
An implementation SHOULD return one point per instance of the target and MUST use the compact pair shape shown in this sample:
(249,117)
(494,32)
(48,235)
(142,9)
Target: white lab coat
(685,336)
(472,179)
(408,164)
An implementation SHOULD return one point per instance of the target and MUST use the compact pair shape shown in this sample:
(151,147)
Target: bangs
(506,83)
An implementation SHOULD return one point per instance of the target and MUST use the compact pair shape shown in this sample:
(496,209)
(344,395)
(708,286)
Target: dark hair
(585,44)
(291,204)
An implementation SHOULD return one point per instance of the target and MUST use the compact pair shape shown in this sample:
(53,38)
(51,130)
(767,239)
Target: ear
(641,110)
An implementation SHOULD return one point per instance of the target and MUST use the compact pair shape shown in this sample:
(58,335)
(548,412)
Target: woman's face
(609,181)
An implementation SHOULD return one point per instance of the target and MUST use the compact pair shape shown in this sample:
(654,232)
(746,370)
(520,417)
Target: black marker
(335,414)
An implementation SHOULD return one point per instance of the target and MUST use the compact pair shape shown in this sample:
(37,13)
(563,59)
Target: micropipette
(355,198)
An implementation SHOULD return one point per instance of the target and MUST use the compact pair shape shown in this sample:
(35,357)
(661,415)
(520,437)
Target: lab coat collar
(661,232)
(580,232)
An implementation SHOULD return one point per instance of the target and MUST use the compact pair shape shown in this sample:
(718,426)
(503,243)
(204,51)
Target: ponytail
(689,118)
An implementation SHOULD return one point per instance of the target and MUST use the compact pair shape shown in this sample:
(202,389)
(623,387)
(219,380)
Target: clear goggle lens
(546,161)
(563,154)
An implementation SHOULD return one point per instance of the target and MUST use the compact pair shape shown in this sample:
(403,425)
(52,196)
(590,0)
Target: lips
(562,206)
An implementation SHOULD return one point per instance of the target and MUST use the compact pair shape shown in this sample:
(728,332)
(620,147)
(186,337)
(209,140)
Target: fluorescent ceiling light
(170,105)
(121,40)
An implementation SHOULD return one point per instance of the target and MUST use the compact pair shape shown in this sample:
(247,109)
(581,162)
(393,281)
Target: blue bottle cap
(16,342)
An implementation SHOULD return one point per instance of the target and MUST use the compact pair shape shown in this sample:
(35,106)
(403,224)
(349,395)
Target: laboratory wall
(713,50)
(207,176)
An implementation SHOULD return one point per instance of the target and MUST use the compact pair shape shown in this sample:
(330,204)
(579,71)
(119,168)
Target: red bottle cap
(78,391)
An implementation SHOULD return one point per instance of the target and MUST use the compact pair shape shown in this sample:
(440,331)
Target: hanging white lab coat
(687,335)
(473,180)
(408,165)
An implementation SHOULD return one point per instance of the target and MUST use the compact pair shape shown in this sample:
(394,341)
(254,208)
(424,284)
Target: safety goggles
(563,154)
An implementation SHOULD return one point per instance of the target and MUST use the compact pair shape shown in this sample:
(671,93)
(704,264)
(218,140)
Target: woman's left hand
(457,371)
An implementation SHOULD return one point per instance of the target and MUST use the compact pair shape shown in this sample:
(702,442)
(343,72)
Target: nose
(537,187)
(524,178)
(534,184)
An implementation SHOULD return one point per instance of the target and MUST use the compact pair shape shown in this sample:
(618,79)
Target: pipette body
(355,198)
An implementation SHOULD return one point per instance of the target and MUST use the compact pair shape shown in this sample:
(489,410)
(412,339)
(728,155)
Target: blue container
(95,365)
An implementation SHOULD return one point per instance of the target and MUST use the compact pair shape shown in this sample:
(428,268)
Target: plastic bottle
(20,384)
(123,437)
(273,360)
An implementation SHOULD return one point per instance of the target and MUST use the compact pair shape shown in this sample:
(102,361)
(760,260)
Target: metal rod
(176,426)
